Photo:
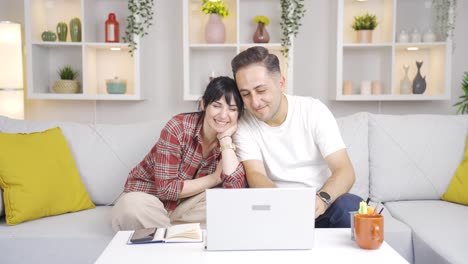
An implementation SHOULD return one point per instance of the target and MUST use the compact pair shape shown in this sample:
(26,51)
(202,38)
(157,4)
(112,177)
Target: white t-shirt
(293,153)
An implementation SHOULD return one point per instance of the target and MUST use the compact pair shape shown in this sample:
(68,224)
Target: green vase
(75,29)
(62,30)
(48,36)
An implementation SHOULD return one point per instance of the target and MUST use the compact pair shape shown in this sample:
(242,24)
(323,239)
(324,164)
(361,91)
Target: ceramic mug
(369,230)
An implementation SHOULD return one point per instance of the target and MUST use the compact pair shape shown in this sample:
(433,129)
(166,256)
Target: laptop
(260,219)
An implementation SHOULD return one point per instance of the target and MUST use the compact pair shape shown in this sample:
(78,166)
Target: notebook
(260,219)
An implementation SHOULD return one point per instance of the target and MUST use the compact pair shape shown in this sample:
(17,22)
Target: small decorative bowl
(116,86)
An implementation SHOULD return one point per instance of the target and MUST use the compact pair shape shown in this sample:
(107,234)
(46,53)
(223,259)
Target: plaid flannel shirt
(176,157)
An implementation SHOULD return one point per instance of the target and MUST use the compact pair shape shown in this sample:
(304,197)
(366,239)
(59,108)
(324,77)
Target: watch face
(324,195)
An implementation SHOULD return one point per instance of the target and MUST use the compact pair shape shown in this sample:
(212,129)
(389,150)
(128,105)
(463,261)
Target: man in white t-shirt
(291,141)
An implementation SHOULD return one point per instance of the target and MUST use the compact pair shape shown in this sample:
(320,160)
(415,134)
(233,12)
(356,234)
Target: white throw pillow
(415,156)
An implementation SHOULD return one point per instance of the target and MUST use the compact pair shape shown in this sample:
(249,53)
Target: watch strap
(228,146)
(327,201)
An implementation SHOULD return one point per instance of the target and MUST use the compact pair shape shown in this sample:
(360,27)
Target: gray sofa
(406,162)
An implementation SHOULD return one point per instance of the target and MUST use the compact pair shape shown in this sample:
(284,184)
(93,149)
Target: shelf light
(115,49)
(412,48)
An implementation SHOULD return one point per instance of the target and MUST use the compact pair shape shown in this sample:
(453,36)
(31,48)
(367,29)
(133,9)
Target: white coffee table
(331,246)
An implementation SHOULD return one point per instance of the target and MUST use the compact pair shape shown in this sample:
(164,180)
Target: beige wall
(161,71)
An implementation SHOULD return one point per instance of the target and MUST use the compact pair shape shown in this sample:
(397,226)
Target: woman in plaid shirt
(194,153)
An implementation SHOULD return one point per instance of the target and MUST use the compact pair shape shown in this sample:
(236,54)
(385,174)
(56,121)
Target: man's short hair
(255,55)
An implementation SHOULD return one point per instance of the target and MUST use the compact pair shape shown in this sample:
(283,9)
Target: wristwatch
(228,146)
(324,196)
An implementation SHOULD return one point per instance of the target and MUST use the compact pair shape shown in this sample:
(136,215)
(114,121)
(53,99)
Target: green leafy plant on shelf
(139,20)
(216,7)
(292,11)
(463,103)
(67,73)
(67,82)
(262,19)
(365,22)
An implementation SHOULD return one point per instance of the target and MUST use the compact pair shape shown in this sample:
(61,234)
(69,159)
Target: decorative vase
(62,30)
(405,83)
(415,36)
(403,36)
(429,36)
(419,82)
(261,34)
(215,31)
(364,36)
(75,29)
(48,36)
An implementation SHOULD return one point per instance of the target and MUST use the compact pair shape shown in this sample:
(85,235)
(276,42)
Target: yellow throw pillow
(457,190)
(39,176)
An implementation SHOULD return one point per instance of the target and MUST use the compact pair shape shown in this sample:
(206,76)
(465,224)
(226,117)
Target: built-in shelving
(383,59)
(95,60)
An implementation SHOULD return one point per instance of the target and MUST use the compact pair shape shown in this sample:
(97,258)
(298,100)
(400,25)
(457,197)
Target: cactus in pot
(67,82)
(75,29)
(62,30)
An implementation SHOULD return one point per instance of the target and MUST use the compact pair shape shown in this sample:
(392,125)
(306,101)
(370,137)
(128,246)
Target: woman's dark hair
(254,55)
(223,86)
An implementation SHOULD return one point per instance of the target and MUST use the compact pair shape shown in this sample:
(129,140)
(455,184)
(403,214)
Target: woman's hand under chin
(229,132)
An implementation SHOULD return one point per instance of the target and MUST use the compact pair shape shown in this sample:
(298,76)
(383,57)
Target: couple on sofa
(282,141)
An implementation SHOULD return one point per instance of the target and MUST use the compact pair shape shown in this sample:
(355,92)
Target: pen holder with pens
(367,226)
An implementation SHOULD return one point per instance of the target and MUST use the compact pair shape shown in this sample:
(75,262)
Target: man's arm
(256,174)
(341,180)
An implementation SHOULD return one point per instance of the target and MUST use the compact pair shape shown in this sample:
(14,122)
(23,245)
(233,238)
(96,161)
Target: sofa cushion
(398,235)
(457,190)
(415,156)
(354,133)
(439,229)
(104,154)
(69,238)
(39,177)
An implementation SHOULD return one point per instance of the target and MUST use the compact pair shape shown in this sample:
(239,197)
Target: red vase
(261,34)
(215,31)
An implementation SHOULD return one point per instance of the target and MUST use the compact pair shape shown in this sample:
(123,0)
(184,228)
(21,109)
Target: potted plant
(463,103)
(67,82)
(139,20)
(261,34)
(215,31)
(292,11)
(364,25)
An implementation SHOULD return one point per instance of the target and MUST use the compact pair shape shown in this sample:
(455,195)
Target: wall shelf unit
(383,59)
(203,60)
(95,60)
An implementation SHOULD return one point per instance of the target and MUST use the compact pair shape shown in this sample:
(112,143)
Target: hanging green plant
(444,14)
(463,103)
(139,21)
(292,11)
